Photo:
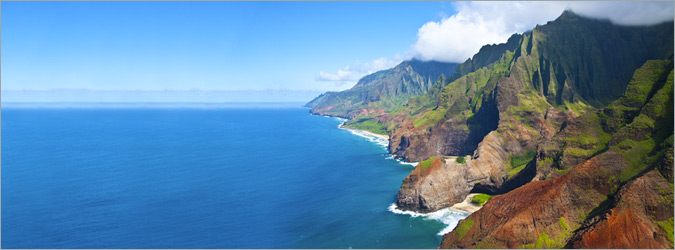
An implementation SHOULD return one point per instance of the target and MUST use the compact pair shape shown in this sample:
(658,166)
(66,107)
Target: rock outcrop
(545,214)
(540,214)
(634,222)
(429,190)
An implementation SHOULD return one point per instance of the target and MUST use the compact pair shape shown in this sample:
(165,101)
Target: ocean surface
(200,176)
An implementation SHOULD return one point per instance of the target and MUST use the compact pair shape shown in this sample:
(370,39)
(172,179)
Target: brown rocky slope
(620,198)
(527,119)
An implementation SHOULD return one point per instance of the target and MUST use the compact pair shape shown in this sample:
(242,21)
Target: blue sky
(52,50)
(199,45)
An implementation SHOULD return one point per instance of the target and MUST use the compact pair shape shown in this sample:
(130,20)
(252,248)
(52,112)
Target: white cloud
(460,36)
(627,13)
(352,73)
(342,75)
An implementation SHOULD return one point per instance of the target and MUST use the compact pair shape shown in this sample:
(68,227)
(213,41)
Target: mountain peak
(568,14)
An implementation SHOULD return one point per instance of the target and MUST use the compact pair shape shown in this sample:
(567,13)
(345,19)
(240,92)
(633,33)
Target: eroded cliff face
(430,190)
(526,98)
(634,221)
(456,122)
(561,212)
(445,138)
(540,213)
(567,64)
(619,195)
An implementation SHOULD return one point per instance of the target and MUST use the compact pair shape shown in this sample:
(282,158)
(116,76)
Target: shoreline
(447,216)
(381,136)
(466,205)
(341,126)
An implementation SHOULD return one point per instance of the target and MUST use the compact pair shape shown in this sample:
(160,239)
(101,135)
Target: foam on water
(379,141)
(382,142)
(406,163)
(402,162)
(447,216)
(103,197)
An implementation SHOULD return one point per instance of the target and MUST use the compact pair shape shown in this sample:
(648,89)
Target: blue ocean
(200,176)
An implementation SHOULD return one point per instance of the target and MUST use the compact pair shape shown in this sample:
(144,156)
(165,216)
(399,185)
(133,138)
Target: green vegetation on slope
(427,163)
(480,199)
(463,228)
(545,242)
(667,225)
(367,125)
(386,89)
(639,138)
(609,54)
(461,159)
(430,118)
(518,162)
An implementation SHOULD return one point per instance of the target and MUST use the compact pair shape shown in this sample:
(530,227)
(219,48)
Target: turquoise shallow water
(204,177)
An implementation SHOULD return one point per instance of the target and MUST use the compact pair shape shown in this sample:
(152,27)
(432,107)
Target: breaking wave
(448,216)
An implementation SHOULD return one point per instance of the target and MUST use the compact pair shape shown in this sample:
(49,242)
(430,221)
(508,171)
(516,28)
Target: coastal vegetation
(463,228)
(460,159)
(480,199)
(427,163)
(367,125)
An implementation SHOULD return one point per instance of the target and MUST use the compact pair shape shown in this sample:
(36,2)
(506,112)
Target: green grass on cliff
(480,199)
(461,159)
(644,80)
(667,225)
(563,224)
(651,128)
(514,171)
(518,162)
(578,108)
(543,242)
(463,228)
(635,153)
(547,242)
(544,239)
(427,163)
(367,125)
(430,118)
(461,98)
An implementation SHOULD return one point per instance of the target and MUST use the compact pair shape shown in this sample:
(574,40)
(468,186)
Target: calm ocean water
(205,177)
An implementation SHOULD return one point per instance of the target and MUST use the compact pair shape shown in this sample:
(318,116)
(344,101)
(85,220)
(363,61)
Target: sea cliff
(565,124)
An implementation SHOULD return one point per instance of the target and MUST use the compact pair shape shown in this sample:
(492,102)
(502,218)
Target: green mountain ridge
(571,64)
(571,121)
(382,90)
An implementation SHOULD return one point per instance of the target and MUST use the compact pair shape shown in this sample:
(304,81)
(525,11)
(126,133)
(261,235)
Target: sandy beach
(384,137)
(466,205)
